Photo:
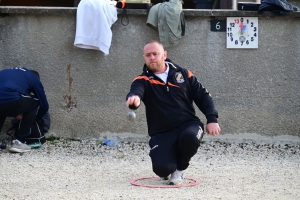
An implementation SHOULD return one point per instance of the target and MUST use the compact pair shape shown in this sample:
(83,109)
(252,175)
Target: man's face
(154,56)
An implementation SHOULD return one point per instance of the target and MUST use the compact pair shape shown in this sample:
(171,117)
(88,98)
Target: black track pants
(26,105)
(173,150)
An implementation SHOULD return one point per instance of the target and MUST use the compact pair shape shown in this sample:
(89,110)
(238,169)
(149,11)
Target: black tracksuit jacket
(169,105)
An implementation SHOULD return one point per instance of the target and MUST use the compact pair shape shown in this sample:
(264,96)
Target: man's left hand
(213,129)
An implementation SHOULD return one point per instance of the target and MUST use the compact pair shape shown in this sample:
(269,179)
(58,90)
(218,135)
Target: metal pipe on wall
(234,4)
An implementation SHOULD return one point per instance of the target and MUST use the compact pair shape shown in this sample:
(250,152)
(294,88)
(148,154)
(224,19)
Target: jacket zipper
(167,84)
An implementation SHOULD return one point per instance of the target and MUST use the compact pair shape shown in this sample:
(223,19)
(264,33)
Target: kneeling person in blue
(16,86)
(168,92)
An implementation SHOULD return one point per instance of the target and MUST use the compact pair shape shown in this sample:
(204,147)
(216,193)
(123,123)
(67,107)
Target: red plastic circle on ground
(134,182)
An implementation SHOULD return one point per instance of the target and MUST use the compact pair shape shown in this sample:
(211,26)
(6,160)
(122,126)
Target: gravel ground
(65,169)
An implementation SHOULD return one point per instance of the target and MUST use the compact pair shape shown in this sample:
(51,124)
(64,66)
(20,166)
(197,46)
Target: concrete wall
(256,91)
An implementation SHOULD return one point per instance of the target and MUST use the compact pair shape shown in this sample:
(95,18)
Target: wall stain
(71,101)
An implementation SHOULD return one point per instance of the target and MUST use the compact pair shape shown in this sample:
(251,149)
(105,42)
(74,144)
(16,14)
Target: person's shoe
(19,147)
(177,178)
(165,178)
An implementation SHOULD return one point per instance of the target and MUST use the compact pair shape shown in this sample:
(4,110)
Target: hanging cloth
(93,24)
(168,19)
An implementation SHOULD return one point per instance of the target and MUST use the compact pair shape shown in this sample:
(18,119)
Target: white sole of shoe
(15,150)
(179,182)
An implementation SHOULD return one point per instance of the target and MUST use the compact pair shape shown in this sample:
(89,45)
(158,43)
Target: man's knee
(192,135)
(164,170)
(190,139)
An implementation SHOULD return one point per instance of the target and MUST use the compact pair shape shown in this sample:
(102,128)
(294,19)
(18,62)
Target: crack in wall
(71,101)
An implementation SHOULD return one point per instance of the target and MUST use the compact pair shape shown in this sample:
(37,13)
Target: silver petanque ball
(131,115)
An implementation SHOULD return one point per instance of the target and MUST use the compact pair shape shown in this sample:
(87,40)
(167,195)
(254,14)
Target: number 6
(218,26)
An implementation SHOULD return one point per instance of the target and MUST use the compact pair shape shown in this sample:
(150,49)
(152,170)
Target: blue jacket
(17,81)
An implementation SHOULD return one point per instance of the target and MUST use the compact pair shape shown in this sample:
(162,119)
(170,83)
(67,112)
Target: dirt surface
(64,169)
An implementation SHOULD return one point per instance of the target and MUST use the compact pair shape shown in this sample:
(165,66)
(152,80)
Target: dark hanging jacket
(278,6)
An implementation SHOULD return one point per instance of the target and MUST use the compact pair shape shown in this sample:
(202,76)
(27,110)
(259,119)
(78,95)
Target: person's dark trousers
(173,150)
(26,105)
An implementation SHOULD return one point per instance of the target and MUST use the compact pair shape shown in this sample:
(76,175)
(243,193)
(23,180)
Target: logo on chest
(179,78)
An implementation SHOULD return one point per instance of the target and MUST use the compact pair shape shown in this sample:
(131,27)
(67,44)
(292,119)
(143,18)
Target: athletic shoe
(19,147)
(177,178)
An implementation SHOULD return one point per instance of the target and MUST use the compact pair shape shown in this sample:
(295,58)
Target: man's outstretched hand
(133,101)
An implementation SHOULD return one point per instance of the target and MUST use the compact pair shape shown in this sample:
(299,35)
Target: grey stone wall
(255,91)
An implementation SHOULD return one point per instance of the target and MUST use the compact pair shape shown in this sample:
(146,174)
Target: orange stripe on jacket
(154,81)
(190,74)
(170,84)
(150,80)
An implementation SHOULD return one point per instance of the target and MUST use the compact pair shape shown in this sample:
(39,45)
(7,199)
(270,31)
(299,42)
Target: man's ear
(165,54)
